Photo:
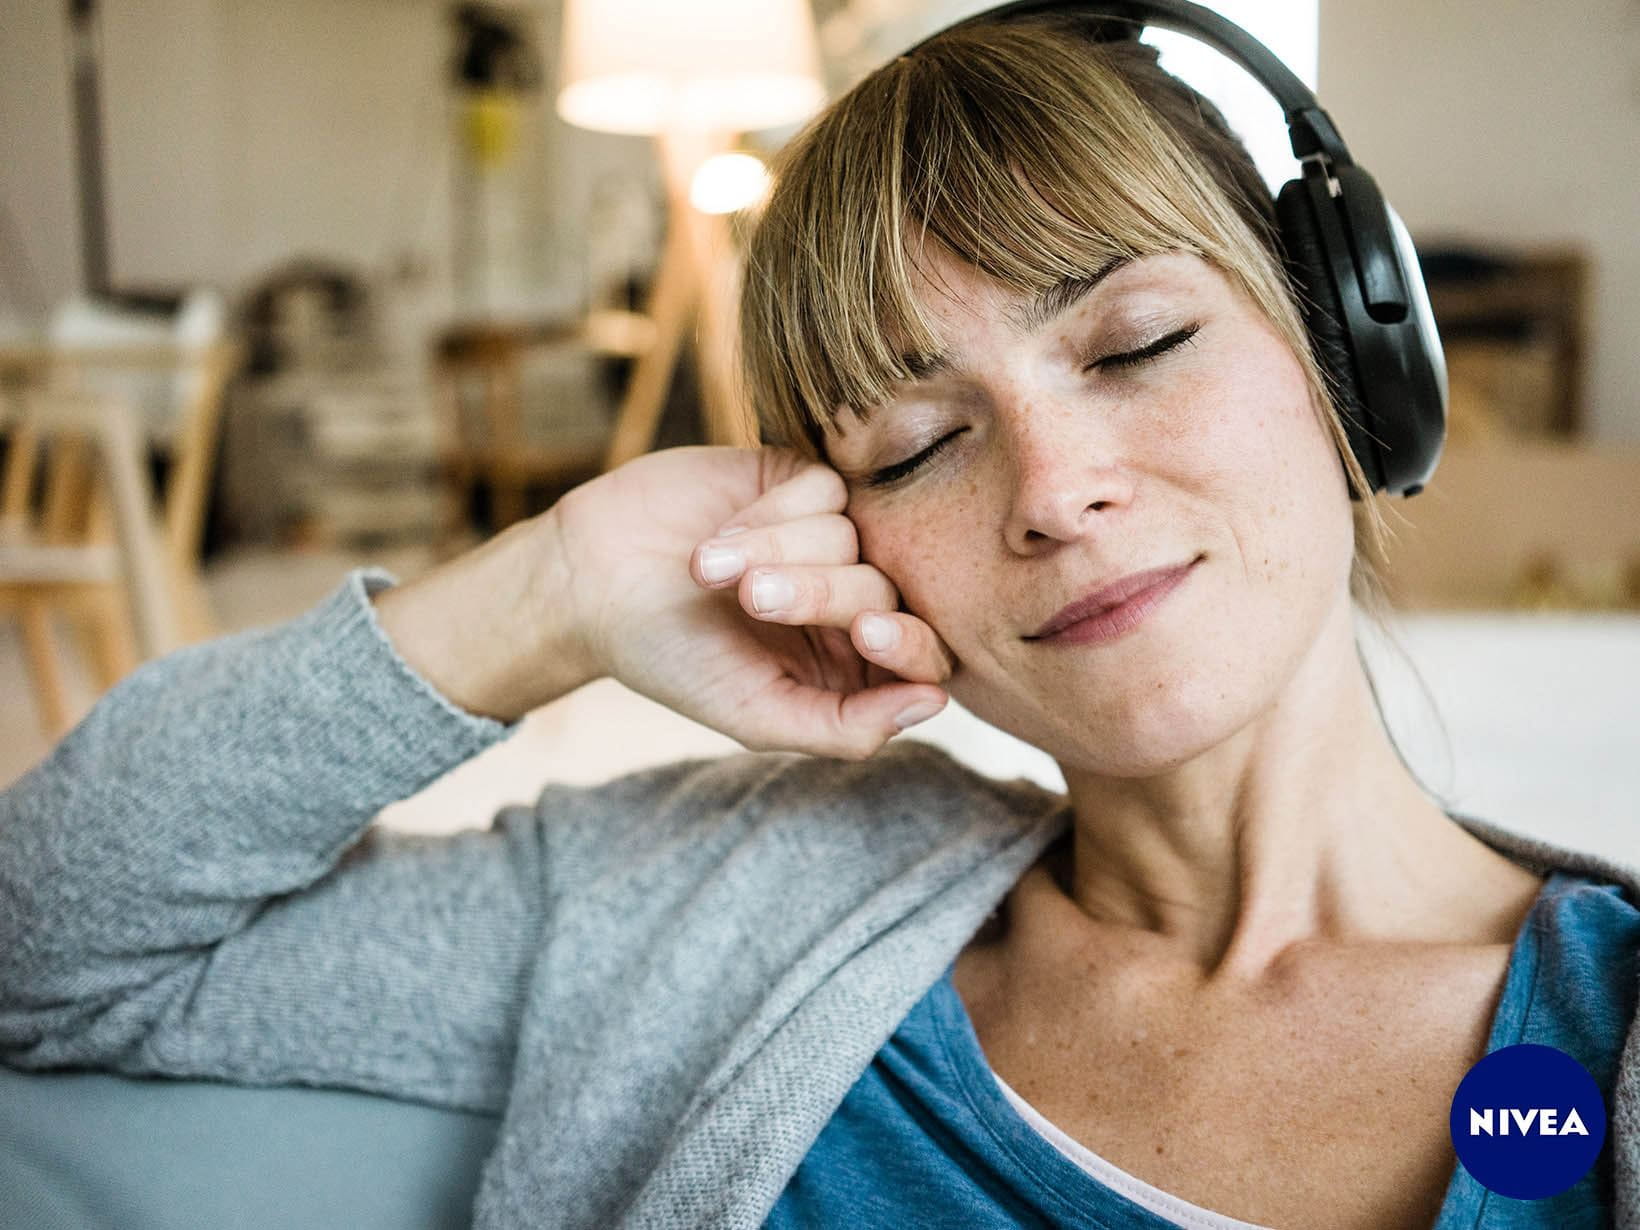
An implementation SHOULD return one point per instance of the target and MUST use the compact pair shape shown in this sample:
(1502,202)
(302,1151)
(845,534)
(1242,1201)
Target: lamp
(691,75)
(644,66)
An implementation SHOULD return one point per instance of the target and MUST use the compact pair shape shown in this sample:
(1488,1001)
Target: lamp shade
(648,66)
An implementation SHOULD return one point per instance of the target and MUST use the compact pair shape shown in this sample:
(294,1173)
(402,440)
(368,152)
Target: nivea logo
(1541,1120)
(1528,1121)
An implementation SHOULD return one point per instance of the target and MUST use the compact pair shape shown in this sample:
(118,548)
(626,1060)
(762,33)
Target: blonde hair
(1032,153)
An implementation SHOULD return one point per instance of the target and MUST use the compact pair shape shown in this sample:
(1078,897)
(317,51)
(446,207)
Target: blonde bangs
(1025,151)
(1006,152)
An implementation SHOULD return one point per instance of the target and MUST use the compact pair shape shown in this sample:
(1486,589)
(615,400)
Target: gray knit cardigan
(664,984)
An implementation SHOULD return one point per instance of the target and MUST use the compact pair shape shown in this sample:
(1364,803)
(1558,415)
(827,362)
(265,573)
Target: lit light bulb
(725,183)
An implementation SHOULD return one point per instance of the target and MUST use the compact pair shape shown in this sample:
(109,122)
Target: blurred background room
(288,288)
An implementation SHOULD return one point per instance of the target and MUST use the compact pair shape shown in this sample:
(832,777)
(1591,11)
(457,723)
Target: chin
(1145,747)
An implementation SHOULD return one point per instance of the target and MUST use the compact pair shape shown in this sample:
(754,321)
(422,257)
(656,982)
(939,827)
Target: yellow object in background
(1550,582)
(491,124)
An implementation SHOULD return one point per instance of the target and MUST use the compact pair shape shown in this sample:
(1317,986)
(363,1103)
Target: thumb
(819,722)
(889,709)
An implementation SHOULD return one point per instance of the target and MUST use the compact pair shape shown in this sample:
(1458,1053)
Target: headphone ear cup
(1310,270)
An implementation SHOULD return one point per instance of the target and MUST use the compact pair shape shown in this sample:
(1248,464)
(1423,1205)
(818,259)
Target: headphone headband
(1309,127)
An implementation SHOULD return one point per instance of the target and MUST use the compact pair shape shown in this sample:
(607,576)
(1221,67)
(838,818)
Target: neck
(1302,827)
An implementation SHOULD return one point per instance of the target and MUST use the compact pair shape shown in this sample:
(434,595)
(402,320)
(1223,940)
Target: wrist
(493,630)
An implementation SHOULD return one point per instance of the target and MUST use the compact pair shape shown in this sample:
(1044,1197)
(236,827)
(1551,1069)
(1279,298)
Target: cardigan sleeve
(189,885)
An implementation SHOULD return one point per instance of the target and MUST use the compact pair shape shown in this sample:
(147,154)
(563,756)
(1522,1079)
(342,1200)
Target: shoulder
(1597,907)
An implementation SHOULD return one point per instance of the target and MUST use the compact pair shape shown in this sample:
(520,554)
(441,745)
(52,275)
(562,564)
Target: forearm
(199,787)
(494,630)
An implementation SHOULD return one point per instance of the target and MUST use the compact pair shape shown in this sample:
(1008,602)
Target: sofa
(93,1151)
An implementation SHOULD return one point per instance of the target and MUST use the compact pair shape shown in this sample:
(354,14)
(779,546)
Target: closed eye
(1147,352)
(893,473)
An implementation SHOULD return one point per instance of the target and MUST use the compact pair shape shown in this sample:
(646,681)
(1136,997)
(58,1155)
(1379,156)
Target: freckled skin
(1064,481)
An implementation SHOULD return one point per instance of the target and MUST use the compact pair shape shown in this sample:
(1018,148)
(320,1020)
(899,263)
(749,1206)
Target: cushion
(94,1151)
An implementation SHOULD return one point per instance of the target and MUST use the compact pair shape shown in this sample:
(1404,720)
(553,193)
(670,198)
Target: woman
(1016,315)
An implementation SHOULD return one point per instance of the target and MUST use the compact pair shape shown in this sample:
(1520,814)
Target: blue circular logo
(1528,1121)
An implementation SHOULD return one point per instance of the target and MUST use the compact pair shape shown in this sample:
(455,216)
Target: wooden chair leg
(68,489)
(196,619)
(17,483)
(453,466)
(44,668)
(106,637)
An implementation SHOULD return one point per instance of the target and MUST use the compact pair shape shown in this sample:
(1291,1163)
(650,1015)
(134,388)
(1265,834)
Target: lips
(1108,596)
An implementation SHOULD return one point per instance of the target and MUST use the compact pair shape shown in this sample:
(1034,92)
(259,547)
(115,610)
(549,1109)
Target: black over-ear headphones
(1347,252)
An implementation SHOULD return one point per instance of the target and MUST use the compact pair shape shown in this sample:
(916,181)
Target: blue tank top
(927,1137)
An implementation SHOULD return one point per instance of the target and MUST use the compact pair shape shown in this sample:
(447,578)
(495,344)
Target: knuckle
(822,593)
(828,484)
(761,547)
(848,535)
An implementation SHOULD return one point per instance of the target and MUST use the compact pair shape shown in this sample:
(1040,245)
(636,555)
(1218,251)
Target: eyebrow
(1058,298)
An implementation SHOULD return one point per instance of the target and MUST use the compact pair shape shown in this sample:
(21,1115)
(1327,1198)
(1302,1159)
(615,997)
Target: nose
(1067,484)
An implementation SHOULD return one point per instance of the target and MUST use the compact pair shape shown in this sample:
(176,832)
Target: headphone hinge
(1323,164)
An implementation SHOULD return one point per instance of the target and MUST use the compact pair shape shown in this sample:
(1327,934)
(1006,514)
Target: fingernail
(878,633)
(720,563)
(919,712)
(772,592)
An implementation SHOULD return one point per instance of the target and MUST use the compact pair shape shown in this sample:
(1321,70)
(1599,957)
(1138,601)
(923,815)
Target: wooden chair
(86,547)
(188,437)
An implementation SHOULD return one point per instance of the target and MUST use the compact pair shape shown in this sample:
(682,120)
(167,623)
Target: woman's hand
(771,650)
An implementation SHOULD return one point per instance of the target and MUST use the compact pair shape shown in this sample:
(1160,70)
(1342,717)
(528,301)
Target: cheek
(1297,535)
(1273,460)
(905,549)
(929,557)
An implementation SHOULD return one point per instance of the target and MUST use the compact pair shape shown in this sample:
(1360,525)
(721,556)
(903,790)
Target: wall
(333,130)
(163,78)
(240,133)
(1507,120)
(37,201)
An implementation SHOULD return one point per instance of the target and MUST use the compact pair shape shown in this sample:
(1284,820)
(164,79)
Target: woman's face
(1154,420)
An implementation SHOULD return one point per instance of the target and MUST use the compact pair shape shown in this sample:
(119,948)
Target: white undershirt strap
(1163,1204)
